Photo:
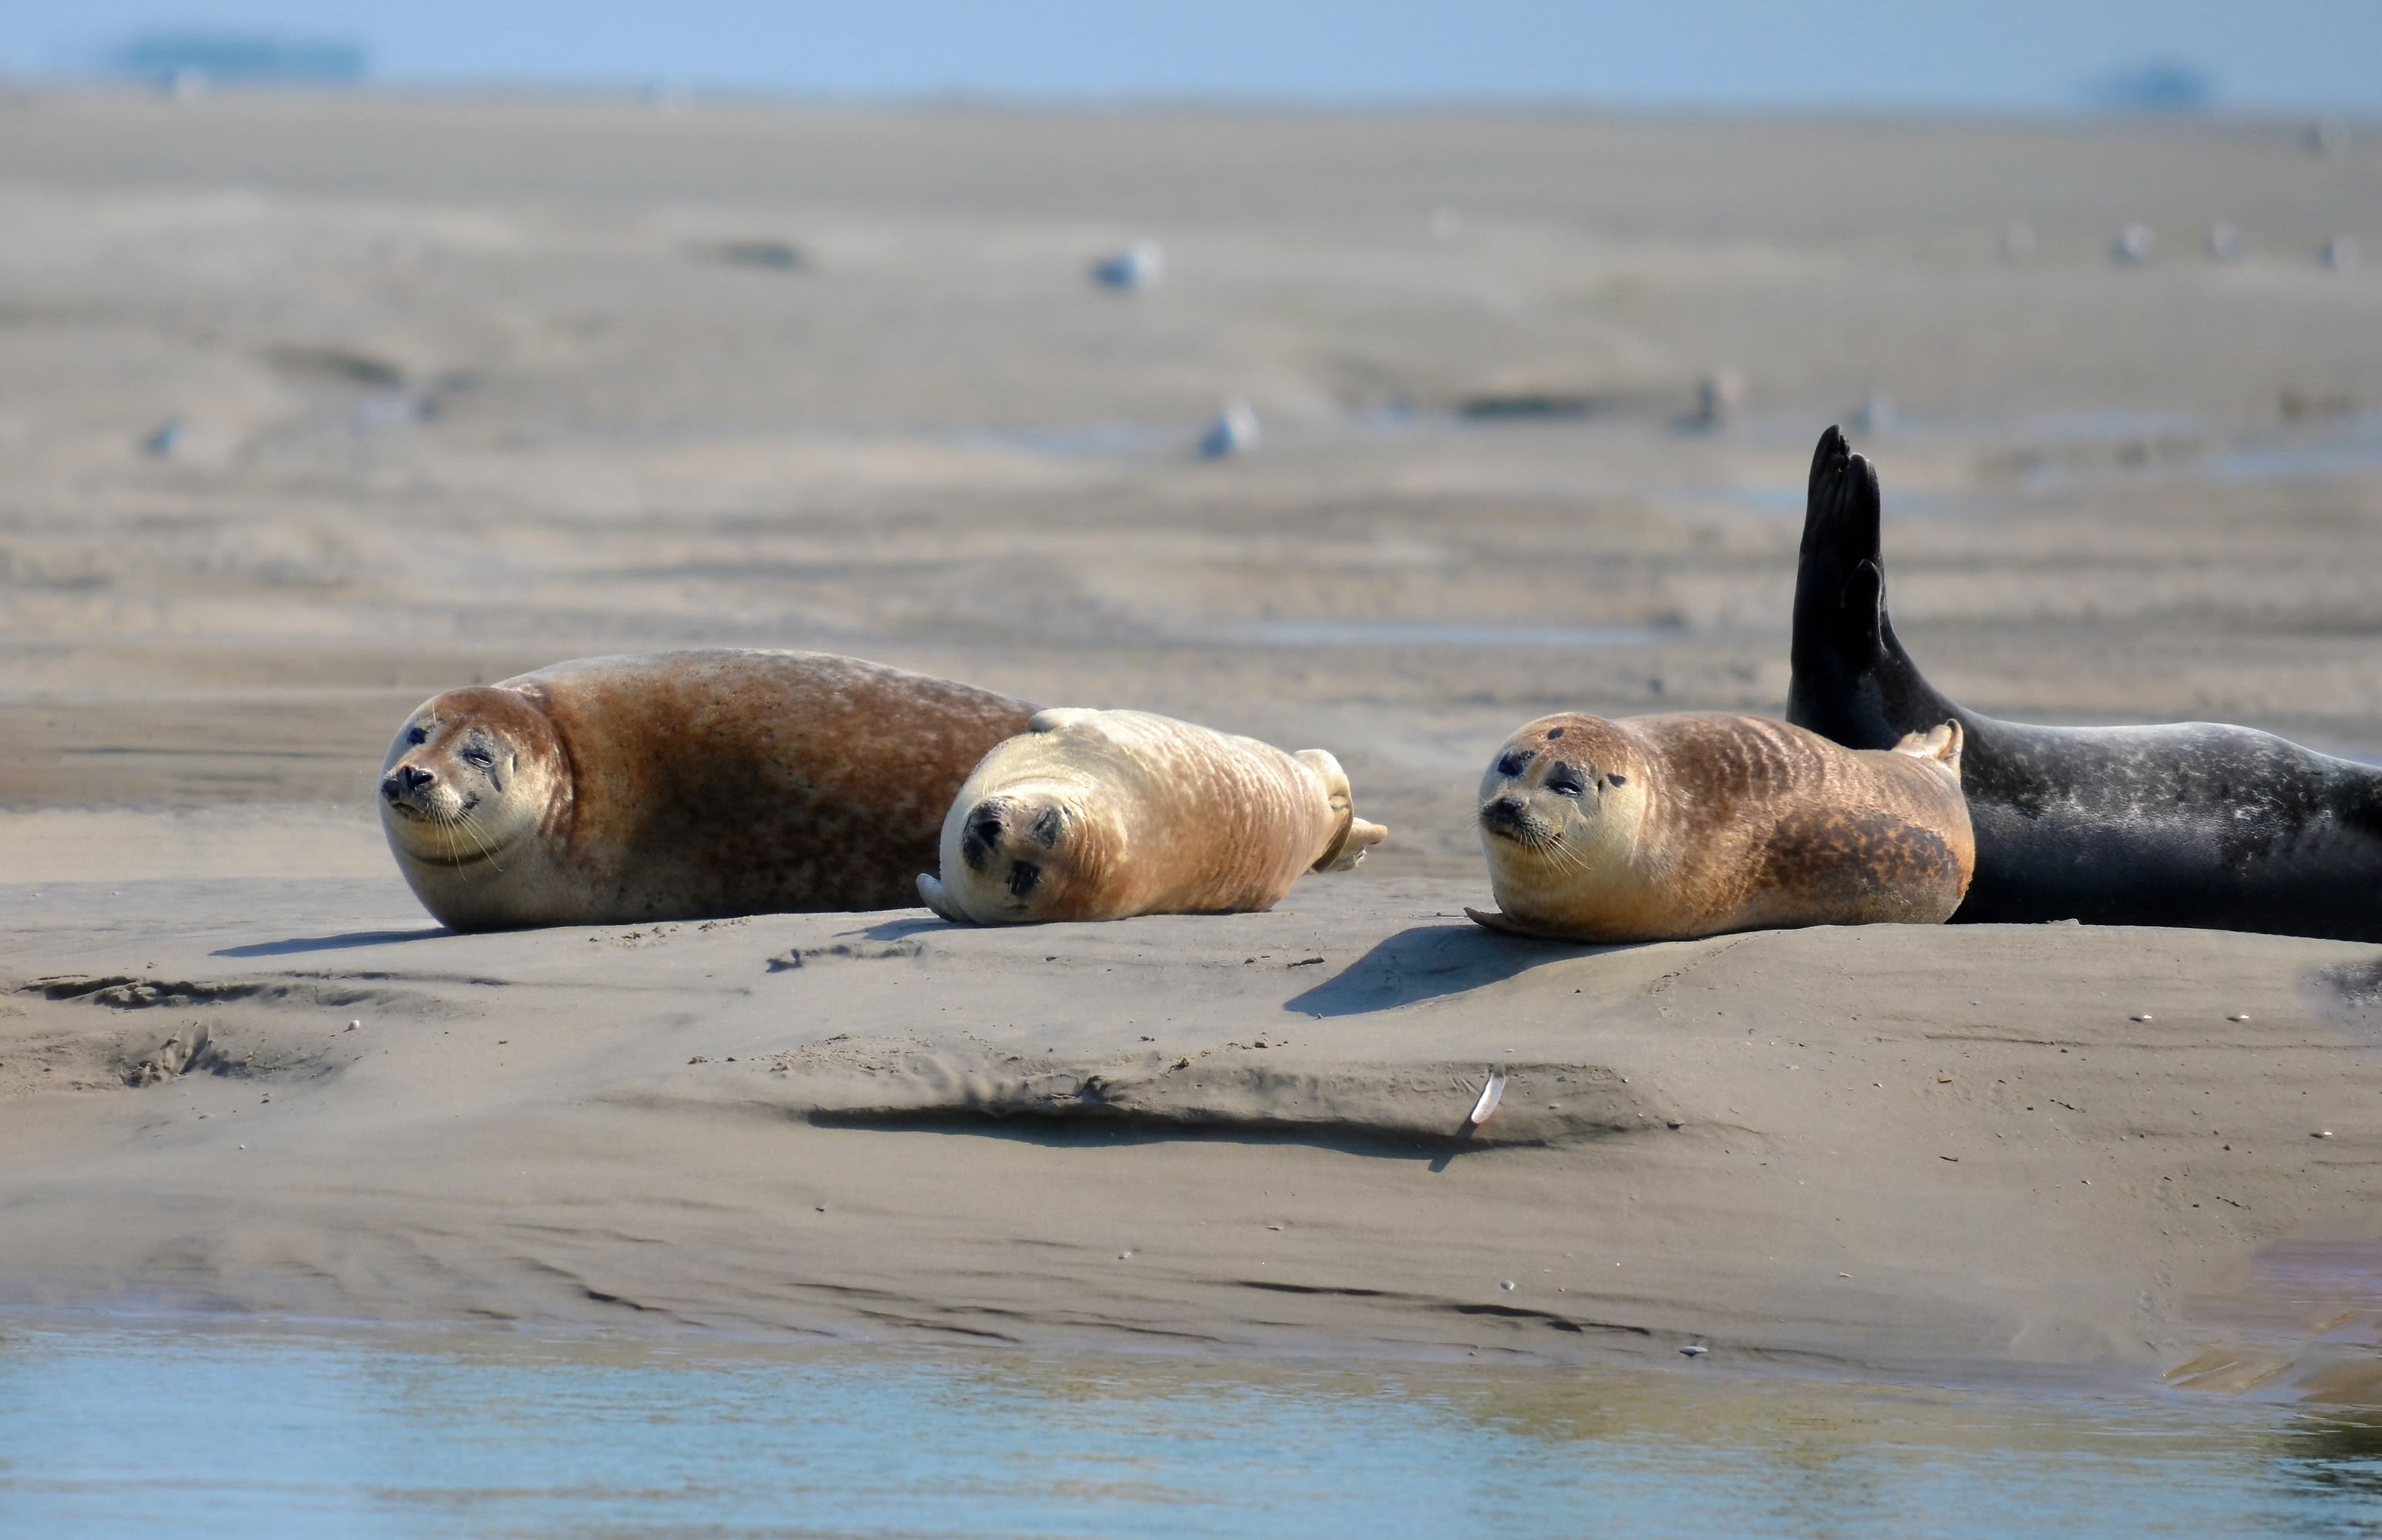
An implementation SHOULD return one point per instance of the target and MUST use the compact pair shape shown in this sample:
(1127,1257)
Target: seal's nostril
(411,778)
(987,823)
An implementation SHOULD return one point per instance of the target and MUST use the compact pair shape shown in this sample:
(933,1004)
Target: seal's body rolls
(1103,814)
(674,785)
(1660,829)
(2191,823)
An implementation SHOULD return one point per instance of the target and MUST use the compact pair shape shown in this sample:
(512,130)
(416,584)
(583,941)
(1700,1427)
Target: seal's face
(1023,855)
(472,773)
(1564,795)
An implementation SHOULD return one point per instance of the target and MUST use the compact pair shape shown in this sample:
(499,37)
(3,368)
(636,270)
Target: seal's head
(1562,804)
(471,775)
(1027,852)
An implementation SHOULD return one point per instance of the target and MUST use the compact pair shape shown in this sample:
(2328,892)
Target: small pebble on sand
(2143,1017)
(2324,1133)
(1505,1284)
(1695,1350)
(2237,1017)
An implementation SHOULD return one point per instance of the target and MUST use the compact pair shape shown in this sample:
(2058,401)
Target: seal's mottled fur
(1664,827)
(677,786)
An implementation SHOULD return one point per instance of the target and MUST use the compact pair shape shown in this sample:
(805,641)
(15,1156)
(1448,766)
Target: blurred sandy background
(314,405)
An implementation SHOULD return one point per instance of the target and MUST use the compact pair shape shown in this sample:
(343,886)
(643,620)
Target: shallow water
(154,1431)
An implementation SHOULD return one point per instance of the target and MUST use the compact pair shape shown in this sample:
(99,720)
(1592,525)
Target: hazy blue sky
(2292,55)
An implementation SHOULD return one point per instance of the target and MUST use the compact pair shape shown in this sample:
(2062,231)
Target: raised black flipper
(1852,682)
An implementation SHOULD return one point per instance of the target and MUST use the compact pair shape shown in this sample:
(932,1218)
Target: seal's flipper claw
(932,892)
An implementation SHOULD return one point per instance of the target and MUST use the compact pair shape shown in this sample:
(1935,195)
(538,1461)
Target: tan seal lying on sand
(1660,828)
(677,786)
(1102,814)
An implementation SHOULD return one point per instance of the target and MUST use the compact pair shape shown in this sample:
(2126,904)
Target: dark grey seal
(2191,823)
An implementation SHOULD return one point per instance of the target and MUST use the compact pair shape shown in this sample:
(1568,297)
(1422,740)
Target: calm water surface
(155,1431)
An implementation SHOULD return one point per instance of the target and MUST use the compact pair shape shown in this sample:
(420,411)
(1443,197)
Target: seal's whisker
(470,825)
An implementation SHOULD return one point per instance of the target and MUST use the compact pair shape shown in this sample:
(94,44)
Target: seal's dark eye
(1566,782)
(1047,825)
(1022,878)
(417,735)
(1515,763)
(481,756)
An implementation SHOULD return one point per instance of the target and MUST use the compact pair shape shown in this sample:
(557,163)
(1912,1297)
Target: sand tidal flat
(312,406)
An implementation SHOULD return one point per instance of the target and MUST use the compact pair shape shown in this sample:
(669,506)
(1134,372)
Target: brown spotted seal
(1103,814)
(1660,828)
(677,786)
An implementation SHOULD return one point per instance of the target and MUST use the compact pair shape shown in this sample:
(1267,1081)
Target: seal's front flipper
(1505,924)
(932,892)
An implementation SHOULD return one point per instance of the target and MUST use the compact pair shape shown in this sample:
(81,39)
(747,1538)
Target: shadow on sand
(1425,961)
(896,930)
(330,942)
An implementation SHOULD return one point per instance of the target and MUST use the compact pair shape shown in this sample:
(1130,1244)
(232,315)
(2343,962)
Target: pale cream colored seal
(1664,827)
(681,785)
(1102,814)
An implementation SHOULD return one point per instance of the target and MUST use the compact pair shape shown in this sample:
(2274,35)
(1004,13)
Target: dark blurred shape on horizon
(2160,86)
(237,57)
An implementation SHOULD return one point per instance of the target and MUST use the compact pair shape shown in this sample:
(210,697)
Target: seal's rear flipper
(932,892)
(1941,743)
(1353,836)
(1839,607)
(1362,836)
(1852,682)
